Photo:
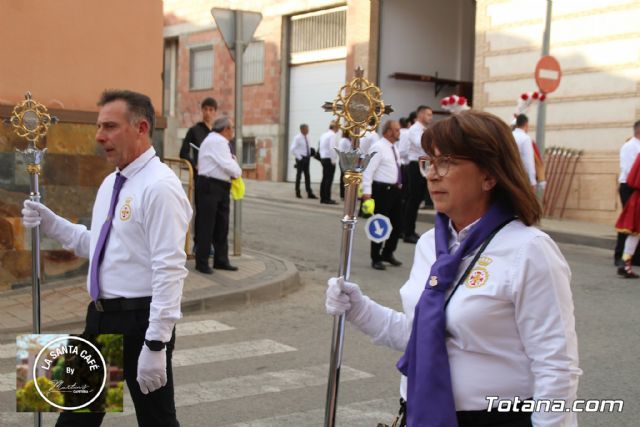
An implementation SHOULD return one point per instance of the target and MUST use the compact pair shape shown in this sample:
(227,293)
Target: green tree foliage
(114,398)
(111,348)
(28,399)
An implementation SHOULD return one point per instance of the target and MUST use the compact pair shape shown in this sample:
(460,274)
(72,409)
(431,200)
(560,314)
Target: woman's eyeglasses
(441,163)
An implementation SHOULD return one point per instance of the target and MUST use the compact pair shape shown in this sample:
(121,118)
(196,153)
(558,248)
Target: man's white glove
(34,214)
(344,297)
(152,369)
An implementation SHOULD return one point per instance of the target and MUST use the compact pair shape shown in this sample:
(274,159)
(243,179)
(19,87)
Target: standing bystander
(328,157)
(525,147)
(302,152)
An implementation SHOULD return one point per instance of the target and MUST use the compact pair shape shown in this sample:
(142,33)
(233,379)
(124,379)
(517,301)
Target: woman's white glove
(34,214)
(152,369)
(344,298)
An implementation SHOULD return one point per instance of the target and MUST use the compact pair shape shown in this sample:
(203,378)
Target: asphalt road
(265,365)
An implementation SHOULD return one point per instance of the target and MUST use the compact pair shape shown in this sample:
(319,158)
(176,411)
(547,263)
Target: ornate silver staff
(358,108)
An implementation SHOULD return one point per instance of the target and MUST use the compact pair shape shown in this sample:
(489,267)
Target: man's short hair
(221,124)
(403,122)
(303,125)
(422,108)
(636,126)
(209,102)
(387,125)
(139,106)
(333,126)
(412,117)
(521,120)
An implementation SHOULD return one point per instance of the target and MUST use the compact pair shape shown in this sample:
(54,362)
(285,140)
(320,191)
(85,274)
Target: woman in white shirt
(490,294)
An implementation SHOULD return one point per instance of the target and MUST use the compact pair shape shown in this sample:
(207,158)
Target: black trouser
(417,188)
(341,183)
(328,170)
(302,166)
(625,192)
(213,221)
(493,419)
(195,211)
(156,409)
(388,203)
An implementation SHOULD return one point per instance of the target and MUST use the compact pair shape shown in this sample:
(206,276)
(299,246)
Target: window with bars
(249,150)
(201,67)
(253,64)
(324,29)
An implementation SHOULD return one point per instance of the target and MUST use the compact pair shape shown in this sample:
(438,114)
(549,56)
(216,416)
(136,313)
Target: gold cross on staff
(358,107)
(31,120)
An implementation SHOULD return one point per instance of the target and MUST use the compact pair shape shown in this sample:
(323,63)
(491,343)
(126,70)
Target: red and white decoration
(526,100)
(454,104)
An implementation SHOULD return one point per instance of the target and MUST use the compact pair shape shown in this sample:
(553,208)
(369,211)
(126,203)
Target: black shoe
(204,270)
(298,196)
(330,202)
(410,239)
(378,265)
(627,273)
(227,267)
(392,260)
(311,196)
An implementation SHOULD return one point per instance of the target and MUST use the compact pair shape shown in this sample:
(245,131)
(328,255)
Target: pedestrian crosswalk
(202,392)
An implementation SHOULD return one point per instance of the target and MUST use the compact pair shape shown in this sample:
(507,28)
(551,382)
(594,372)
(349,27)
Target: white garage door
(311,86)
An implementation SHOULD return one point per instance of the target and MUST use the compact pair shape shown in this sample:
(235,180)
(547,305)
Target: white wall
(424,37)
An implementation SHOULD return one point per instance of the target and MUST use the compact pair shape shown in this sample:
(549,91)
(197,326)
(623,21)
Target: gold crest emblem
(125,210)
(433,281)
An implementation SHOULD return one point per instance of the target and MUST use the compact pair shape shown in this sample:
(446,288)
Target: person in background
(302,152)
(628,154)
(416,186)
(487,309)
(403,149)
(217,167)
(382,181)
(344,145)
(136,256)
(525,147)
(328,158)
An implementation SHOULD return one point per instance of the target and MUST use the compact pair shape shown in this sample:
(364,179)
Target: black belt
(386,185)
(122,304)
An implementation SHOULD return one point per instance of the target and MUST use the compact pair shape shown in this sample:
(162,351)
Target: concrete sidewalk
(561,230)
(260,277)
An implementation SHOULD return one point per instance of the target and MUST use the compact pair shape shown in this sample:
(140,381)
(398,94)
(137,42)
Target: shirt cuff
(160,331)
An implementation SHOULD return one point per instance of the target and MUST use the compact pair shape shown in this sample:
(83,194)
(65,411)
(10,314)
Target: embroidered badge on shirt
(479,275)
(125,210)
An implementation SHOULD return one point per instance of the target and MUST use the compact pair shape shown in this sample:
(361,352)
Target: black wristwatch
(155,345)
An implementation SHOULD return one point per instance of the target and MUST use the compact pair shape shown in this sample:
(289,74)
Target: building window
(253,64)
(249,151)
(201,68)
(325,29)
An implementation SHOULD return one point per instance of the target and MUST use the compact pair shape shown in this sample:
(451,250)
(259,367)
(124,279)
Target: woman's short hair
(487,140)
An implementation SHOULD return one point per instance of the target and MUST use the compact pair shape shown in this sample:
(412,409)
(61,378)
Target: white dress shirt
(415,142)
(299,146)
(525,147)
(512,334)
(367,141)
(403,146)
(383,167)
(144,255)
(344,145)
(215,159)
(328,144)
(628,154)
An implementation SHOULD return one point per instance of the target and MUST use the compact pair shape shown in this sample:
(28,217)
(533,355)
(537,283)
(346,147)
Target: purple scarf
(426,361)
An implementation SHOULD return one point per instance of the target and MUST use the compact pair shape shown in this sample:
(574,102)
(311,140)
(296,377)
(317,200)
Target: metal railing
(560,168)
(184,171)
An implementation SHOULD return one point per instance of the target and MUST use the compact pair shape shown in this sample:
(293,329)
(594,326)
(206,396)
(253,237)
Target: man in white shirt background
(382,181)
(328,158)
(301,151)
(416,183)
(136,255)
(628,153)
(525,147)
(216,168)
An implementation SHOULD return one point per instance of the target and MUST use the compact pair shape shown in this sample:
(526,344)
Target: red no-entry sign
(548,74)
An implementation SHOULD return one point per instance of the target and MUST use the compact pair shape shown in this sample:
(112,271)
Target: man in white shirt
(216,168)
(382,181)
(525,147)
(628,153)
(328,158)
(367,141)
(302,153)
(136,255)
(417,185)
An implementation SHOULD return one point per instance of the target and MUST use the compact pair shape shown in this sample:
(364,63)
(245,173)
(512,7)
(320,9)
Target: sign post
(237,28)
(542,106)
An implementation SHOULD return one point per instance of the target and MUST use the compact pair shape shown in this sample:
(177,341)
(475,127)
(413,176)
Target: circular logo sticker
(477,278)
(125,210)
(84,371)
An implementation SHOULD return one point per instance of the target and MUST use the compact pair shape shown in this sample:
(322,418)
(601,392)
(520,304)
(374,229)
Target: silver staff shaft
(35,258)
(349,219)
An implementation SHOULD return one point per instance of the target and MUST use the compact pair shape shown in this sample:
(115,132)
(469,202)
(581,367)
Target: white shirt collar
(136,166)
(455,237)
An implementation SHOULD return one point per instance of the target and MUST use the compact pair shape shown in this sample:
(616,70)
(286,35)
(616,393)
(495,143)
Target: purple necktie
(395,156)
(98,254)
(426,361)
